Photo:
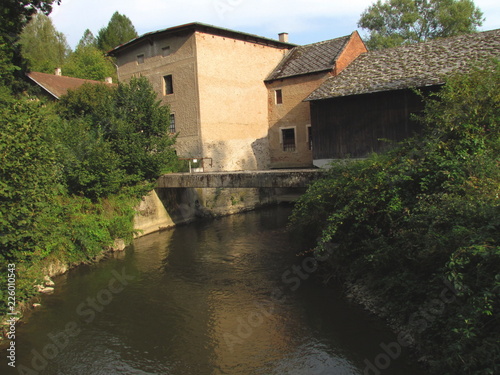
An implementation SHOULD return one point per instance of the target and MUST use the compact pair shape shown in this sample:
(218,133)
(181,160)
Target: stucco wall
(292,113)
(181,64)
(233,100)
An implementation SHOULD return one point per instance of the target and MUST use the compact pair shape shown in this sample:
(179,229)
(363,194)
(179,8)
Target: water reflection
(206,298)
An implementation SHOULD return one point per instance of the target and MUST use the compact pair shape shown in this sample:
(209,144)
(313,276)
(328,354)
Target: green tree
(7,68)
(42,45)
(14,15)
(395,22)
(28,179)
(115,137)
(88,39)
(424,212)
(118,31)
(89,62)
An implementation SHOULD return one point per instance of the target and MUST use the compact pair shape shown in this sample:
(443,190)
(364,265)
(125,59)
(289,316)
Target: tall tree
(42,45)
(89,62)
(395,22)
(14,15)
(118,31)
(88,39)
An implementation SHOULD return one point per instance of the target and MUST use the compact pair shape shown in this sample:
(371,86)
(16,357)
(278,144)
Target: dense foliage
(42,45)
(89,62)
(118,31)
(114,137)
(71,173)
(427,211)
(395,22)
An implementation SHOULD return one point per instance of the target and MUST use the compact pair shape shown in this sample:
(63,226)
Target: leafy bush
(29,179)
(427,211)
(114,137)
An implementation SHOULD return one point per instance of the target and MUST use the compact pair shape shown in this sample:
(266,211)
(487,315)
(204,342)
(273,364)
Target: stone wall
(166,208)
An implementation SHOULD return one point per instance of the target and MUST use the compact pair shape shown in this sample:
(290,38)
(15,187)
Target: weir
(278,178)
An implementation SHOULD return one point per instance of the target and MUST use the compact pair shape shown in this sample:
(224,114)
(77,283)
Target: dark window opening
(171,127)
(165,51)
(140,59)
(169,86)
(309,137)
(279,96)
(288,136)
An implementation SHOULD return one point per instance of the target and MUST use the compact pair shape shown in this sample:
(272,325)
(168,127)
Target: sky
(306,21)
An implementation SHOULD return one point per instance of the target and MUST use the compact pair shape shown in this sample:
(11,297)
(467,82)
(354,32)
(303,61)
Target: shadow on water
(218,297)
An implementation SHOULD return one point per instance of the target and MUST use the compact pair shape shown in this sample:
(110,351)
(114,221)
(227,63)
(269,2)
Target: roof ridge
(310,58)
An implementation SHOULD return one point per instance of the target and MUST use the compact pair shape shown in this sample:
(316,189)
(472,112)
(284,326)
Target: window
(172,123)
(279,96)
(288,139)
(165,51)
(168,85)
(140,59)
(309,137)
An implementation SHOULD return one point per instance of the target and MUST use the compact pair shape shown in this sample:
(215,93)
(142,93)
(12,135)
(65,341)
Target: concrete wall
(181,64)
(166,208)
(233,100)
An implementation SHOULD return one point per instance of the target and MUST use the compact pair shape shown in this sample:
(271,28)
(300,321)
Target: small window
(168,85)
(309,137)
(288,139)
(279,96)
(171,127)
(165,51)
(140,59)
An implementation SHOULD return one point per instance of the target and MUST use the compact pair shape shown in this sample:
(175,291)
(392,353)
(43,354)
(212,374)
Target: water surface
(227,296)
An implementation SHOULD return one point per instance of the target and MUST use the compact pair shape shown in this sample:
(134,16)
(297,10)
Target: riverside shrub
(424,212)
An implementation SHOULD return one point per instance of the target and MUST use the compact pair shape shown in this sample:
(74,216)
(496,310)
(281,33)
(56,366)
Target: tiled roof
(415,65)
(56,85)
(311,58)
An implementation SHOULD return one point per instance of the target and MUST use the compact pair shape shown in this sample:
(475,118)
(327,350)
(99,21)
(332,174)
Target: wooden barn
(370,103)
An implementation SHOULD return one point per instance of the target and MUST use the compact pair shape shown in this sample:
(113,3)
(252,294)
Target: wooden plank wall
(354,126)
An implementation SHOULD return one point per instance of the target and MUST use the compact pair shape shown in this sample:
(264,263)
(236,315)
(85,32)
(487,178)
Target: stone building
(382,83)
(301,72)
(236,99)
(213,80)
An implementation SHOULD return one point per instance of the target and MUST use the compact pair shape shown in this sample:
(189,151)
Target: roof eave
(198,26)
(270,80)
(42,86)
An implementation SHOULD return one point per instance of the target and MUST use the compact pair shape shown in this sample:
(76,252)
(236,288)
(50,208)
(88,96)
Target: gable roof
(205,28)
(311,58)
(408,66)
(57,85)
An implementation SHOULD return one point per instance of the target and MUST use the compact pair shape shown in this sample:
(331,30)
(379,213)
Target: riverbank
(216,300)
(154,212)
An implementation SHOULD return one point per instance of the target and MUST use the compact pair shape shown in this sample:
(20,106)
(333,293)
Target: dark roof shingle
(415,65)
(311,58)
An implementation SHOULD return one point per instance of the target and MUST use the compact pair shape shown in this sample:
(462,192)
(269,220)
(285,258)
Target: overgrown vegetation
(71,173)
(427,211)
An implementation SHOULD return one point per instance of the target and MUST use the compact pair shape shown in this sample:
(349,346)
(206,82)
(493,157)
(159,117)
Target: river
(226,296)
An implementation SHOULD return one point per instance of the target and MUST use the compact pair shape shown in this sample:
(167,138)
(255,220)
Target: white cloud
(263,17)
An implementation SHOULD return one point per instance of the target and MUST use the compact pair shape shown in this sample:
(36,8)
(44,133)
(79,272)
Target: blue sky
(307,21)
